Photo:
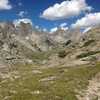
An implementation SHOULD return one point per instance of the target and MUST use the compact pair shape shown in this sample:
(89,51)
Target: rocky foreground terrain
(36,65)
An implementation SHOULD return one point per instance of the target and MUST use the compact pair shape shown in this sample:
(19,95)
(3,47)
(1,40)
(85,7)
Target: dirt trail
(93,90)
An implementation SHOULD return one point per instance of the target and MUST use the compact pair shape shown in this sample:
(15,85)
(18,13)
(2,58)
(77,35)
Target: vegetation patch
(29,87)
(62,54)
(68,42)
(87,43)
(82,55)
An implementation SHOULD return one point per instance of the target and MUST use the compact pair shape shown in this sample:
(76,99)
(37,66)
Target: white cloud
(53,29)
(37,27)
(44,30)
(63,25)
(4,5)
(87,29)
(64,28)
(65,9)
(24,20)
(89,20)
(20,4)
(22,13)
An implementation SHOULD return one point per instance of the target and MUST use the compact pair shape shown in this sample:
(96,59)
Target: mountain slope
(41,66)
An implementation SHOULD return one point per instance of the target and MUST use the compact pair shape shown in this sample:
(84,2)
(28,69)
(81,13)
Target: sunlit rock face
(62,36)
(12,42)
(7,30)
(24,29)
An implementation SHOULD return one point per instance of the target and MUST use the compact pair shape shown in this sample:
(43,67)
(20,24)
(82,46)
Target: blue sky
(39,13)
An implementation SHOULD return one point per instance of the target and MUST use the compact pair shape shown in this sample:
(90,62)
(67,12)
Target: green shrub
(82,55)
(87,43)
(62,54)
(68,42)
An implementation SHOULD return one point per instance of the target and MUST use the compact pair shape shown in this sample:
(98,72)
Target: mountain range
(23,45)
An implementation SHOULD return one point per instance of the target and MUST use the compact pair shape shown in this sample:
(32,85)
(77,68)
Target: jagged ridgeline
(24,44)
(20,43)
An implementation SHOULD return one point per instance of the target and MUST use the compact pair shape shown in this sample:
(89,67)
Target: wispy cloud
(62,26)
(24,20)
(54,29)
(22,13)
(20,4)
